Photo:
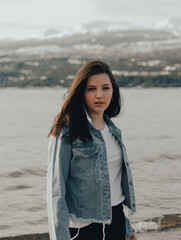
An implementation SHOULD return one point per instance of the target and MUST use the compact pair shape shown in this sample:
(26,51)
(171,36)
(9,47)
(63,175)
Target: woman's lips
(99,104)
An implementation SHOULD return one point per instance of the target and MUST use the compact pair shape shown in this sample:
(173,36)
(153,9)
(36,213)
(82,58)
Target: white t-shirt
(114,159)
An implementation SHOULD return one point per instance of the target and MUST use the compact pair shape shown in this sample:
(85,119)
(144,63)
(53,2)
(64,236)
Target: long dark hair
(73,113)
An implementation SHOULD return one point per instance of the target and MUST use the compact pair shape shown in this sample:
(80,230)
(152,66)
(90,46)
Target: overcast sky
(36,15)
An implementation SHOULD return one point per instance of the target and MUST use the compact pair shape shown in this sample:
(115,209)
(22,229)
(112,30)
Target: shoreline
(60,87)
(154,228)
(171,233)
(161,223)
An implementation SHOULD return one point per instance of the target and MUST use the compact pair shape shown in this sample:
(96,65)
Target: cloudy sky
(31,16)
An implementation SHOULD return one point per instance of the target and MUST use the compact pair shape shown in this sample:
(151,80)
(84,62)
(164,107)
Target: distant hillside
(138,57)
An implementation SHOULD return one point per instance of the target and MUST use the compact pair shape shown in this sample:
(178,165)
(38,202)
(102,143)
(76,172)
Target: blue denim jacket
(78,182)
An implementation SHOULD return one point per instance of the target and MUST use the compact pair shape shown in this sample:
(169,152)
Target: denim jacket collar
(89,118)
(113,129)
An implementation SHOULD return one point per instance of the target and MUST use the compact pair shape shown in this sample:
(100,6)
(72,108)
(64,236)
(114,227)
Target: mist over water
(151,132)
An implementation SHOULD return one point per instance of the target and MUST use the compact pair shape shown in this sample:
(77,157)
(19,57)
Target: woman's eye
(106,88)
(90,89)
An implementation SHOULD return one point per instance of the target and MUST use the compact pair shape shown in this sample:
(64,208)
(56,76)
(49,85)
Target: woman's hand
(132,237)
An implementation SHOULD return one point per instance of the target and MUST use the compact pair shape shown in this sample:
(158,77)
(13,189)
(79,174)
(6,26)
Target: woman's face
(98,93)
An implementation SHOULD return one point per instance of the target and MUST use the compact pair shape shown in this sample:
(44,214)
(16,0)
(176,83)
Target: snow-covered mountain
(11,32)
(172,24)
(108,26)
(92,27)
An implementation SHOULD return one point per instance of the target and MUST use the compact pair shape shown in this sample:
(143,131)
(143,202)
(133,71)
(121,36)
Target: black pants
(115,231)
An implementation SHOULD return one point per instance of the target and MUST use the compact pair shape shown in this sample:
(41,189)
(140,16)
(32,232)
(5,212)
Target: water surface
(151,132)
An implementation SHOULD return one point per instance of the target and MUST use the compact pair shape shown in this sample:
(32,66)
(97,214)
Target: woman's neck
(98,120)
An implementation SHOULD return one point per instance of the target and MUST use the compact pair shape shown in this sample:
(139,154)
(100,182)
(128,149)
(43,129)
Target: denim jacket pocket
(84,160)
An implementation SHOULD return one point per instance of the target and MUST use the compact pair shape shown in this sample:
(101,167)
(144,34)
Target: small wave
(159,223)
(18,187)
(150,159)
(3,227)
(35,209)
(170,156)
(38,221)
(24,172)
(15,174)
(164,137)
(146,226)
(37,172)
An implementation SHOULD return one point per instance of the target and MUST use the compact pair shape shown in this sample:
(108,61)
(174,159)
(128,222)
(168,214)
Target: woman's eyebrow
(106,84)
(91,86)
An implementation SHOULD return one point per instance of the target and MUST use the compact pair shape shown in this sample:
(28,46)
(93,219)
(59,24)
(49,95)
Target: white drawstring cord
(103,231)
(76,234)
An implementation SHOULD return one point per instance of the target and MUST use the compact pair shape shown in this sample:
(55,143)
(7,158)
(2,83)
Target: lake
(151,129)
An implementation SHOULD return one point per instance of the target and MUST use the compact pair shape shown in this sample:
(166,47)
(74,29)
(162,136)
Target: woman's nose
(99,93)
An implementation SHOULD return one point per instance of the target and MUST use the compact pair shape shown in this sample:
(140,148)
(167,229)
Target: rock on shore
(161,223)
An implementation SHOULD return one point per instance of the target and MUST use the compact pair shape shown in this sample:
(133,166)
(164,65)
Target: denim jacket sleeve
(59,155)
(129,228)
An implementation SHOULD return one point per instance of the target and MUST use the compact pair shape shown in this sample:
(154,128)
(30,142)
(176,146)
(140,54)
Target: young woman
(88,176)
